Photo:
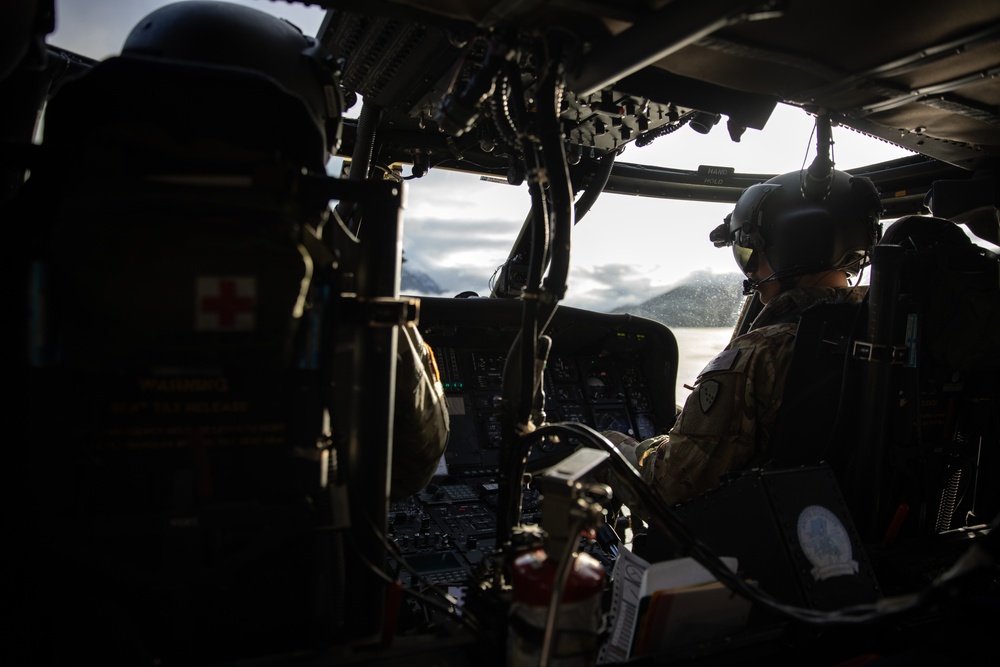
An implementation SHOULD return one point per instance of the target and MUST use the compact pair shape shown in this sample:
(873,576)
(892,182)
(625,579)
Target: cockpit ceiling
(922,75)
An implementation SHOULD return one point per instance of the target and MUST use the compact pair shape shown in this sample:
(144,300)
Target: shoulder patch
(723,361)
(707,392)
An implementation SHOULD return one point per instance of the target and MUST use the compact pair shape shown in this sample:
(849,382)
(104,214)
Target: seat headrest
(921,232)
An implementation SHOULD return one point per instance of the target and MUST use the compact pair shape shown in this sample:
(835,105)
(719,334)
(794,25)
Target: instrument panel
(608,371)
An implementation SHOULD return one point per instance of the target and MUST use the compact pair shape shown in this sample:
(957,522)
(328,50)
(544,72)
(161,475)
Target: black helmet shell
(223,34)
(802,234)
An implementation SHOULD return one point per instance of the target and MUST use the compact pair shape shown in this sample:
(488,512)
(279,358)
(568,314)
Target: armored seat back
(179,384)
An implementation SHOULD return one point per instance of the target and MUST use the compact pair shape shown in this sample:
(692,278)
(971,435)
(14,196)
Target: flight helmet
(803,230)
(226,35)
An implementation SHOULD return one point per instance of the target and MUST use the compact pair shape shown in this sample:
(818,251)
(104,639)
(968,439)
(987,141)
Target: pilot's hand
(625,444)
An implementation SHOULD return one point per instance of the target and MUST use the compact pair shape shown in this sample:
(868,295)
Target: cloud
(606,286)
(459,254)
(449,194)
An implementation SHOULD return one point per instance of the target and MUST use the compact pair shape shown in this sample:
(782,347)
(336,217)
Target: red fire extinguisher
(573,639)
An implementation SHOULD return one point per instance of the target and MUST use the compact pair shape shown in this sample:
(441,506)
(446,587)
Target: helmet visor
(746,258)
(745,233)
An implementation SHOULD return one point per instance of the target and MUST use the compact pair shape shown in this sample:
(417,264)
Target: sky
(458,229)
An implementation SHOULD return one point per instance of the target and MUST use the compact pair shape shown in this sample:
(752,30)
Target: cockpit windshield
(644,256)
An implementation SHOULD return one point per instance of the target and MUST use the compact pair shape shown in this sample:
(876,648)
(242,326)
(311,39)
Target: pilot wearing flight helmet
(227,35)
(797,246)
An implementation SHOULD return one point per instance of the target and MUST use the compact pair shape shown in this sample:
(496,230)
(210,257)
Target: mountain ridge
(702,299)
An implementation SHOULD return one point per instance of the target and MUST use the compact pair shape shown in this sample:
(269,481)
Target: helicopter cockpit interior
(207,321)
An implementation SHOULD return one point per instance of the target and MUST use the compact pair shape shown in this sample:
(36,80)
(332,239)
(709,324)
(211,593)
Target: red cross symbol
(225,303)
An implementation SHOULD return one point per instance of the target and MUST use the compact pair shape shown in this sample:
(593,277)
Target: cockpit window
(647,257)
(627,250)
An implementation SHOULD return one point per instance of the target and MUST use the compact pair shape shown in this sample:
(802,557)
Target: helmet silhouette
(225,35)
(801,230)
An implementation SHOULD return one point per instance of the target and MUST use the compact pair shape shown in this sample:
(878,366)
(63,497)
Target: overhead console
(429,73)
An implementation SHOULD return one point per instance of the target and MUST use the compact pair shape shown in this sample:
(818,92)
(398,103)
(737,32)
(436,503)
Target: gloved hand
(625,444)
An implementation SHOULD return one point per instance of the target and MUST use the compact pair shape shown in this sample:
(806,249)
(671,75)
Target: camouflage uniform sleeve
(420,424)
(726,420)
